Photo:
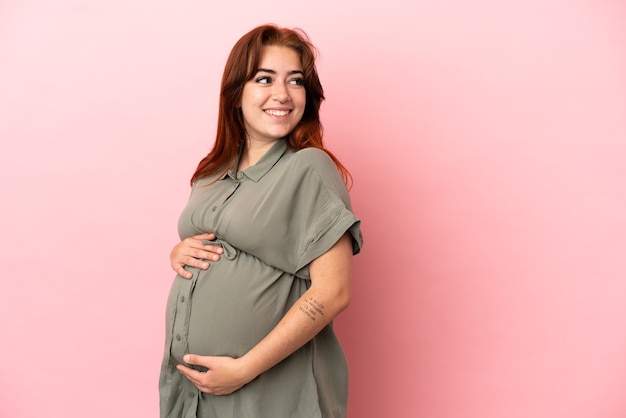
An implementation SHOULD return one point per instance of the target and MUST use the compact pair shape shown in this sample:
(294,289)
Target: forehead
(276,57)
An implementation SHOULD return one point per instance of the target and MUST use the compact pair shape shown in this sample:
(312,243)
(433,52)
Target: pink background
(487,142)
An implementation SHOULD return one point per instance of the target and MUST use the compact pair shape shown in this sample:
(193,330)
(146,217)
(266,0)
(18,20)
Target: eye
(264,80)
(297,81)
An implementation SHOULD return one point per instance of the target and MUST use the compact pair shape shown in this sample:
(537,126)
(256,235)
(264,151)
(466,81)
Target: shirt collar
(264,165)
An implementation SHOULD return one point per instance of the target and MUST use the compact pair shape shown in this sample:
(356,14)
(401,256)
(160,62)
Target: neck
(253,151)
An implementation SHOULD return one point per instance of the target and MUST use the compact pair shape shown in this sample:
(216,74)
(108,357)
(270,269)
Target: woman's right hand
(192,252)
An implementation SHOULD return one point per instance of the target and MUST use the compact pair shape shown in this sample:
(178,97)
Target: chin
(279,135)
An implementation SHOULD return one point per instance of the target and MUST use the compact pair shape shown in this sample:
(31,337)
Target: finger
(213,249)
(192,242)
(198,253)
(180,270)
(190,253)
(195,377)
(191,374)
(205,255)
(210,248)
(197,360)
(209,236)
(192,245)
(196,262)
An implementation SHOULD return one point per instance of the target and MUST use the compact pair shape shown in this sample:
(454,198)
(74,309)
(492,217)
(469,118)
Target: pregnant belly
(236,303)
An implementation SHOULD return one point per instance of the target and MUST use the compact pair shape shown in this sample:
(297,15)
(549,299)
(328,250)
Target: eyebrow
(265,70)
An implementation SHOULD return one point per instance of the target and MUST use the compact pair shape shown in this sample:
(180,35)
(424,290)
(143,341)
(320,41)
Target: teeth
(277,112)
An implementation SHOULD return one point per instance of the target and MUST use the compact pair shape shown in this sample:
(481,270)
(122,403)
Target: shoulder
(315,159)
(316,166)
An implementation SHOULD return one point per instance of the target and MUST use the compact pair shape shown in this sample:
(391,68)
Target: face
(273,101)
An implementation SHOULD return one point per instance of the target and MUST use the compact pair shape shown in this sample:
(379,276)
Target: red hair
(240,68)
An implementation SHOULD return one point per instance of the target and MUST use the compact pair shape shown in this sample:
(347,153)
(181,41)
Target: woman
(252,336)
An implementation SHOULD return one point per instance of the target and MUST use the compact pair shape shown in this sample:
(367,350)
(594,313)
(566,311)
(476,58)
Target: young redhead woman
(252,336)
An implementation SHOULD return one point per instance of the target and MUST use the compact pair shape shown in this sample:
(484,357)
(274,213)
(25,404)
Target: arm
(192,252)
(328,295)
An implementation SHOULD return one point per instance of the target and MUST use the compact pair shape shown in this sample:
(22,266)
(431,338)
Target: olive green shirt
(272,220)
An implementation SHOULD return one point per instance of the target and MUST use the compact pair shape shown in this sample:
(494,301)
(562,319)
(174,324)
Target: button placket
(227,193)
(181,321)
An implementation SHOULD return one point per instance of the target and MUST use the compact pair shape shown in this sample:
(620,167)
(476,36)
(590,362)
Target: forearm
(224,375)
(315,309)
(328,295)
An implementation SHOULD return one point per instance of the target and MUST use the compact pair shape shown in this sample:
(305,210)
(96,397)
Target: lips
(276,112)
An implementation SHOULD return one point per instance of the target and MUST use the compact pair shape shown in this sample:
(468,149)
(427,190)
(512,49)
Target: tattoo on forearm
(312,308)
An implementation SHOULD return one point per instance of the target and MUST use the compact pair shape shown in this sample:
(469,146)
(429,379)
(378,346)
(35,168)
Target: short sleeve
(292,214)
(327,212)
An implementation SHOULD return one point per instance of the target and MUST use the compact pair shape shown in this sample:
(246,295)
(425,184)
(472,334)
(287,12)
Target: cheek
(247,100)
(300,100)
(252,97)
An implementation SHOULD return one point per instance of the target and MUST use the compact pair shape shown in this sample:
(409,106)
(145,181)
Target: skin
(328,295)
(274,89)
(192,252)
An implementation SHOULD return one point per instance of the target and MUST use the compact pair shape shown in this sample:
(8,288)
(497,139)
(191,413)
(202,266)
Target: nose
(280,93)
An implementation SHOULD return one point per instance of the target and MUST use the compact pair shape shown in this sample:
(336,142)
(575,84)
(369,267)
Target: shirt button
(177,337)
(239,175)
(191,394)
(213,208)
(182,298)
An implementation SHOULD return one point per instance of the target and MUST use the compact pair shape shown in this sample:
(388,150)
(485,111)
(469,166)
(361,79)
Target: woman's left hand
(224,375)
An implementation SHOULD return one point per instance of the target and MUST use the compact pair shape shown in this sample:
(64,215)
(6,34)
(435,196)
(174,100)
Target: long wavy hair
(240,68)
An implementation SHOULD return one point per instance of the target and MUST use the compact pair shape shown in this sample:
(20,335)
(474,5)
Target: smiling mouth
(277,112)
